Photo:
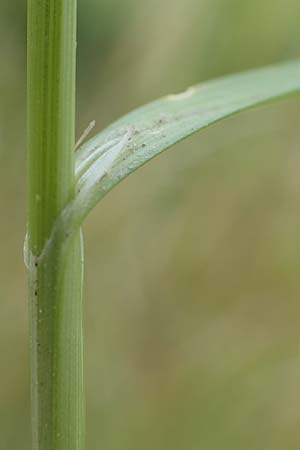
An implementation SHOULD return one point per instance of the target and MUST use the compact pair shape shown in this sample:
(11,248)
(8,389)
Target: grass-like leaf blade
(131,141)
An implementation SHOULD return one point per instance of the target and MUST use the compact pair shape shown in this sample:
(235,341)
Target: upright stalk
(55,268)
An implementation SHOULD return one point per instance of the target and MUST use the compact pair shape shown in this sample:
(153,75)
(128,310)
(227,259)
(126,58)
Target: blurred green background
(192,264)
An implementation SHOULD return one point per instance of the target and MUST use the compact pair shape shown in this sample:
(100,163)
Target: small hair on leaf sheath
(85,134)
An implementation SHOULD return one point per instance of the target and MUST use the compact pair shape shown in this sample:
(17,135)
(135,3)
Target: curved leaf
(131,141)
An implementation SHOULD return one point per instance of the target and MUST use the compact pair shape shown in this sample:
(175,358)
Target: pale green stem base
(56,345)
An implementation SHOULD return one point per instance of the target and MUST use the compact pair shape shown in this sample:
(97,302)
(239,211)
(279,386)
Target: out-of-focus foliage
(191,303)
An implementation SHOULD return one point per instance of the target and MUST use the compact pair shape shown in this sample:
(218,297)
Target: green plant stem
(55,277)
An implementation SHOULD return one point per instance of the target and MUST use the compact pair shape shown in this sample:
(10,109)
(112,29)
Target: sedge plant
(65,184)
